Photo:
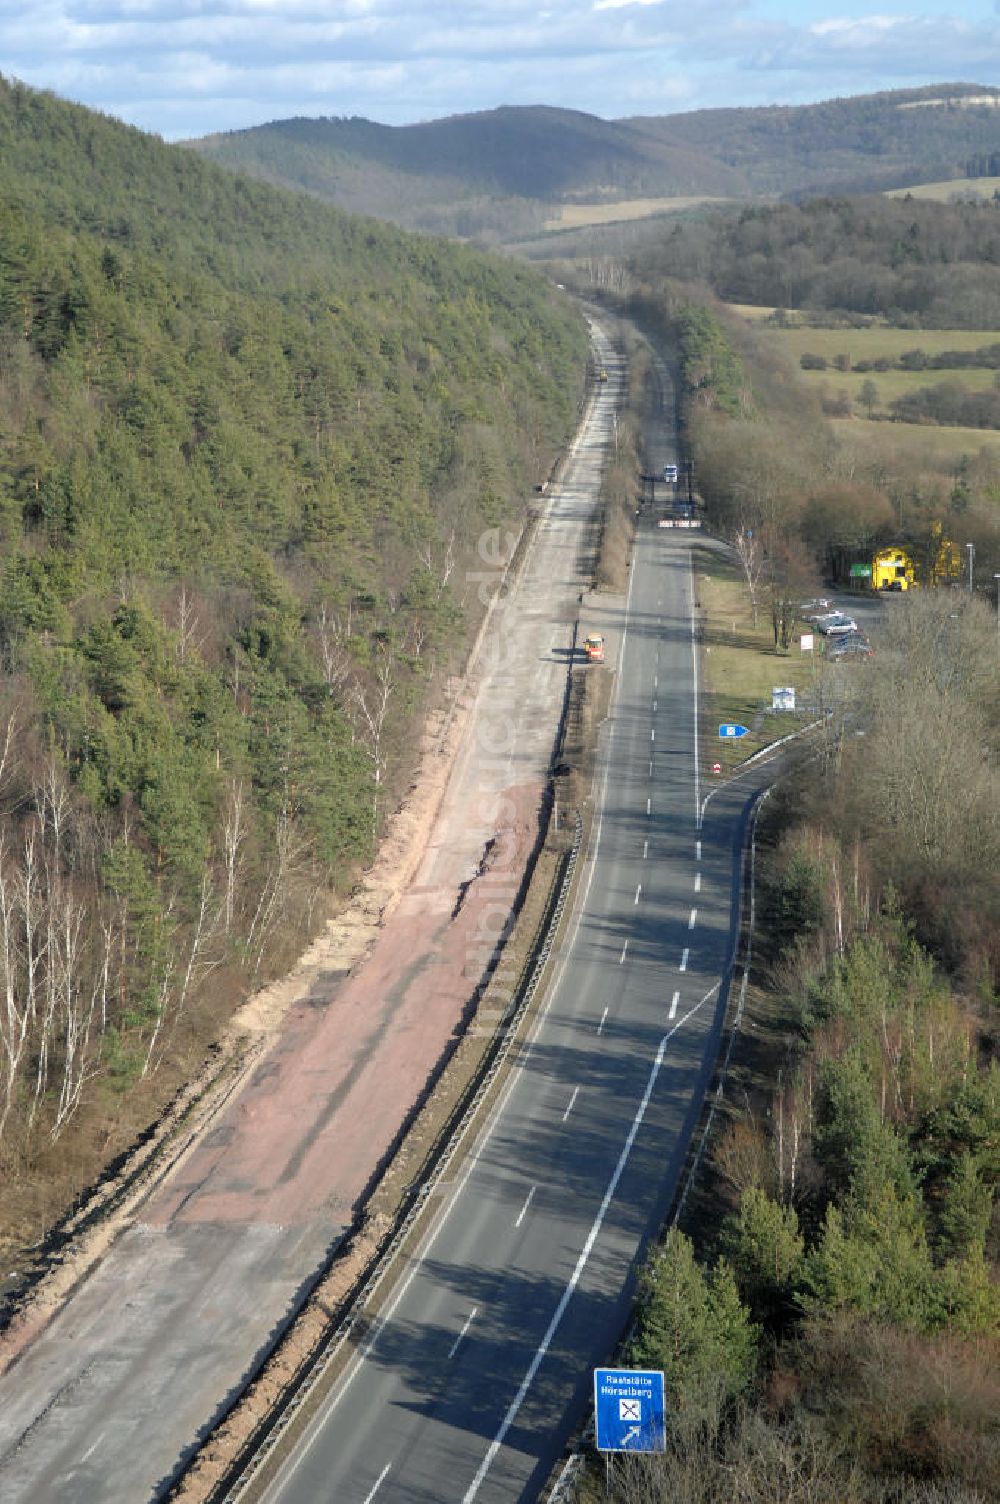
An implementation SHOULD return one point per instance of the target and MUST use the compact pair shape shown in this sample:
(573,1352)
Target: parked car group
(850,645)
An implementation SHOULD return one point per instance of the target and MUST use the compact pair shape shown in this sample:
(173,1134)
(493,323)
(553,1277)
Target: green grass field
(936,448)
(893,384)
(874,343)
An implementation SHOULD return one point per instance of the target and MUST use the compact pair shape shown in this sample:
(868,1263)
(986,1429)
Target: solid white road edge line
(581,1262)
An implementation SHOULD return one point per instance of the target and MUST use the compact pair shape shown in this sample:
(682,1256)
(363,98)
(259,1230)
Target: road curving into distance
(469,1384)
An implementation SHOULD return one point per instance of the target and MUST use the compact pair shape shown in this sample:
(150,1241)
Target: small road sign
(730,730)
(629,1410)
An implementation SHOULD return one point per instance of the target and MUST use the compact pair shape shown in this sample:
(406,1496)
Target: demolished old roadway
(109,1398)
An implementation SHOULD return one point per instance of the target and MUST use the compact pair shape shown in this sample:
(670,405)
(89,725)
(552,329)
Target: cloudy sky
(188,67)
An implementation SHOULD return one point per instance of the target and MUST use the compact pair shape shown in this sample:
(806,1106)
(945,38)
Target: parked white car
(834,624)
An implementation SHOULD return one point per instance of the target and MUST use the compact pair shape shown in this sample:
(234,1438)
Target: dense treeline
(912,262)
(984,357)
(948,402)
(247,446)
(839,1337)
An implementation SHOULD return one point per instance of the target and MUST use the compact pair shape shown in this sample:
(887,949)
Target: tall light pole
(997,578)
(972,554)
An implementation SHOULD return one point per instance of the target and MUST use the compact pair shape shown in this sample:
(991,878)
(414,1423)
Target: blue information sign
(629,1410)
(732,730)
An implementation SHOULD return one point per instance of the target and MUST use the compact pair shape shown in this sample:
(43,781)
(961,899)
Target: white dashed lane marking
(524,1208)
(471,1315)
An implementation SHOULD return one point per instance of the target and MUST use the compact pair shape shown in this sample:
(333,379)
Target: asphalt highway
(471,1381)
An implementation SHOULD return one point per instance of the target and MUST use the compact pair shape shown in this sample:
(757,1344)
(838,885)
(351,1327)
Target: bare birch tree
(750,552)
(234,832)
(333,635)
(371,709)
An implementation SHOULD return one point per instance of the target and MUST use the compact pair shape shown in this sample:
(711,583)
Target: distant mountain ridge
(497,172)
(433,176)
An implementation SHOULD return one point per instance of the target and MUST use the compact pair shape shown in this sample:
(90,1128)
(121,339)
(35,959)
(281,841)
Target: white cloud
(186,67)
(863,26)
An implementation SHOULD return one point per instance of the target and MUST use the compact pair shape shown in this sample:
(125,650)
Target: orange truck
(594,648)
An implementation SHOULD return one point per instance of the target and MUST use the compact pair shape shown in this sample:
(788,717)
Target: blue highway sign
(629,1410)
(732,730)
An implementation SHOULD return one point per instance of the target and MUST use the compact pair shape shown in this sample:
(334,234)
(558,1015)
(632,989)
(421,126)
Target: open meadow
(895,446)
(576,216)
(951,188)
(877,342)
(889,385)
(938,446)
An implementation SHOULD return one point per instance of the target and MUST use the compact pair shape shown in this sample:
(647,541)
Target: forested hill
(247,447)
(494,173)
(856,145)
(450,172)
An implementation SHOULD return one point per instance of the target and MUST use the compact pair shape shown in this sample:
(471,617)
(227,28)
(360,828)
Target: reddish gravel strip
(322,1111)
